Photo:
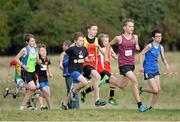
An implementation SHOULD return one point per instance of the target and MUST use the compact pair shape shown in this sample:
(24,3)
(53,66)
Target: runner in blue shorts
(77,55)
(43,71)
(150,66)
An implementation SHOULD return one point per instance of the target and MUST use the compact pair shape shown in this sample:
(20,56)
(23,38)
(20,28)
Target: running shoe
(112,101)
(6,92)
(100,102)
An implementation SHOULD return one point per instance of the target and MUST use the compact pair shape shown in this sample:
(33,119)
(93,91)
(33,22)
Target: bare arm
(164,60)
(137,43)
(116,40)
(49,72)
(113,54)
(18,56)
(141,56)
(61,60)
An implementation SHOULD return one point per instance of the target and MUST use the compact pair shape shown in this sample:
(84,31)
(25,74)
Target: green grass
(91,115)
(167,108)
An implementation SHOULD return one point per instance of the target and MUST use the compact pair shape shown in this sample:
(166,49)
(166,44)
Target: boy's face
(32,42)
(93,31)
(129,27)
(105,41)
(42,52)
(79,42)
(65,47)
(158,37)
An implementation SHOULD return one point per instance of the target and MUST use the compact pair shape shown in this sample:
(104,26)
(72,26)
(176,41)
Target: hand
(50,75)
(61,66)
(91,59)
(168,69)
(142,69)
(9,74)
(106,59)
(39,61)
(25,67)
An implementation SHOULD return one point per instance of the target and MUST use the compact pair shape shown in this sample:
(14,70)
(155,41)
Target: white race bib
(128,52)
(43,67)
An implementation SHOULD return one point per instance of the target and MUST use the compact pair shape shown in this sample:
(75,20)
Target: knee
(156,91)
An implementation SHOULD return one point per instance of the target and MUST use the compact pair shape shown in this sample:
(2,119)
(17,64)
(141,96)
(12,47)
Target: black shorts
(87,71)
(126,68)
(103,73)
(30,76)
(148,76)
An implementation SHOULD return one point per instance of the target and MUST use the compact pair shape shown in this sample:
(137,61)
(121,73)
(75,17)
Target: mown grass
(167,108)
(91,115)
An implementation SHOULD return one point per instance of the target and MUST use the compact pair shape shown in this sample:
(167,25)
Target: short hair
(41,45)
(102,35)
(154,32)
(90,25)
(67,43)
(125,21)
(76,35)
(27,36)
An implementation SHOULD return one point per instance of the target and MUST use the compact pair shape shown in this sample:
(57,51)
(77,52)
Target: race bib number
(128,52)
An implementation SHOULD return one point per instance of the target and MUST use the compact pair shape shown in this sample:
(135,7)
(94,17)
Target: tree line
(53,21)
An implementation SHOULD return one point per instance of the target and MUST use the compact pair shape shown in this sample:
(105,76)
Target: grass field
(167,108)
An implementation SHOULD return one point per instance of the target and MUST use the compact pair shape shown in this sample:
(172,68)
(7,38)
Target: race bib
(128,52)
(43,67)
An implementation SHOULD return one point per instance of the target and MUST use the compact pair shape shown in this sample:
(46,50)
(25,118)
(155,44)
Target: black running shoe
(64,107)
(14,95)
(100,102)
(44,107)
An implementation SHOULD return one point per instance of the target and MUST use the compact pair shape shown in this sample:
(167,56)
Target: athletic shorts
(103,73)
(30,76)
(74,75)
(87,71)
(148,76)
(43,84)
(126,68)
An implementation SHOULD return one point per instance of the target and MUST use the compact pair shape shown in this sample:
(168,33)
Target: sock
(139,104)
(90,89)
(111,93)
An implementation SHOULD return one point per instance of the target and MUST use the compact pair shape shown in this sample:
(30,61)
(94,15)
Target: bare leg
(97,77)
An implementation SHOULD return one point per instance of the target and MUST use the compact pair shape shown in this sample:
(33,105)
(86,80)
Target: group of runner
(88,58)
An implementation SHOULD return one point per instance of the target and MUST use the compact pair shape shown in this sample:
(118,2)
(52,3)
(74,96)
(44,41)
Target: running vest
(30,59)
(126,51)
(93,52)
(100,66)
(151,59)
(107,65)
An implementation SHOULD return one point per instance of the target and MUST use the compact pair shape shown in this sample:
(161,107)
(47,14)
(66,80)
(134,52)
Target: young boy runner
(128,43)
(150,66)
(29,55)
(90,68)
(66,74)
(20,84)
(104,70)
(43,71)
(77,55)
